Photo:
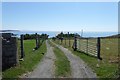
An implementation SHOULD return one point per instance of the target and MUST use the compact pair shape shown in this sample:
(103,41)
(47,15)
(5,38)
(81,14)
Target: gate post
(79,44)
(75,44)
(36,40)
(65,41)
(98,48)
(87,47)
(69,39)
(22,48)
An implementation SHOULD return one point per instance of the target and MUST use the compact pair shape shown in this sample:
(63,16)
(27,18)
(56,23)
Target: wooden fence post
(87,47)
(65,41)
(61,40)
(22,48)
(79,44)
(69,39)
(98,48)
(36,40)
(75,44)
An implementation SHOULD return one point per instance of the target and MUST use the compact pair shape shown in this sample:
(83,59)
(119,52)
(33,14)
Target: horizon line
(54,31)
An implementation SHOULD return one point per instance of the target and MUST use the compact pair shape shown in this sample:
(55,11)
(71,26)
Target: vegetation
(105,69)
(31,59)
(33,36)
(62,63)
(62,36)
(108,66)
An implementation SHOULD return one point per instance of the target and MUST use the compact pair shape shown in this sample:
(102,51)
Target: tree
(62,35)
(33,36)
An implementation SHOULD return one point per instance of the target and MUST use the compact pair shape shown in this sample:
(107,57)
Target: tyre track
(45,68)
(78,67)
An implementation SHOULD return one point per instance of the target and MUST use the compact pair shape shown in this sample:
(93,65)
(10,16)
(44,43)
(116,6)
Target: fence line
(95,46)
(89,46)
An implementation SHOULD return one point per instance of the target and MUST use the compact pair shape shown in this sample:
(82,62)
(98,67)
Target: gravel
(45,68)
(78,67)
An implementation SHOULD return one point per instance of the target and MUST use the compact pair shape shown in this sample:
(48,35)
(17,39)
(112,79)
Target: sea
(54,33)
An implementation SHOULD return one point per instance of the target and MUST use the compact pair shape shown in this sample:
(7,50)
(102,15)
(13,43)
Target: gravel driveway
(45,68)
(78,67)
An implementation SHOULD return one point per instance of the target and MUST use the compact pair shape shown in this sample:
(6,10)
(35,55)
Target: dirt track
(45,68)
(78,67)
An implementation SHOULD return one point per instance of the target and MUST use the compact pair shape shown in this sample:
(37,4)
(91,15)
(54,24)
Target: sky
(60,16)
(60,0)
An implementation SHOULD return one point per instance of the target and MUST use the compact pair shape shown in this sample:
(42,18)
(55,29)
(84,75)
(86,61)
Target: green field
(31,59)
(109,49)
(108,66)
(62,64)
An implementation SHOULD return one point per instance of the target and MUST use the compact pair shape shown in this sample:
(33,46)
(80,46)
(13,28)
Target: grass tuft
(62,64)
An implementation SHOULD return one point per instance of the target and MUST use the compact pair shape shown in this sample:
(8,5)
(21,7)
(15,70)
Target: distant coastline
(8,30)
(54,33)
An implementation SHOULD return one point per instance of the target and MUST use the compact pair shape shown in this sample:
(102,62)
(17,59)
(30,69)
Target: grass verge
(62,64)
(31,59)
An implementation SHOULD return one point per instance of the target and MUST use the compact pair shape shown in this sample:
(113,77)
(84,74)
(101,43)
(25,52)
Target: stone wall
(9,50)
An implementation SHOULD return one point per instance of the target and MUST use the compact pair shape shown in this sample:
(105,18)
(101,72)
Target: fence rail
(88,45)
